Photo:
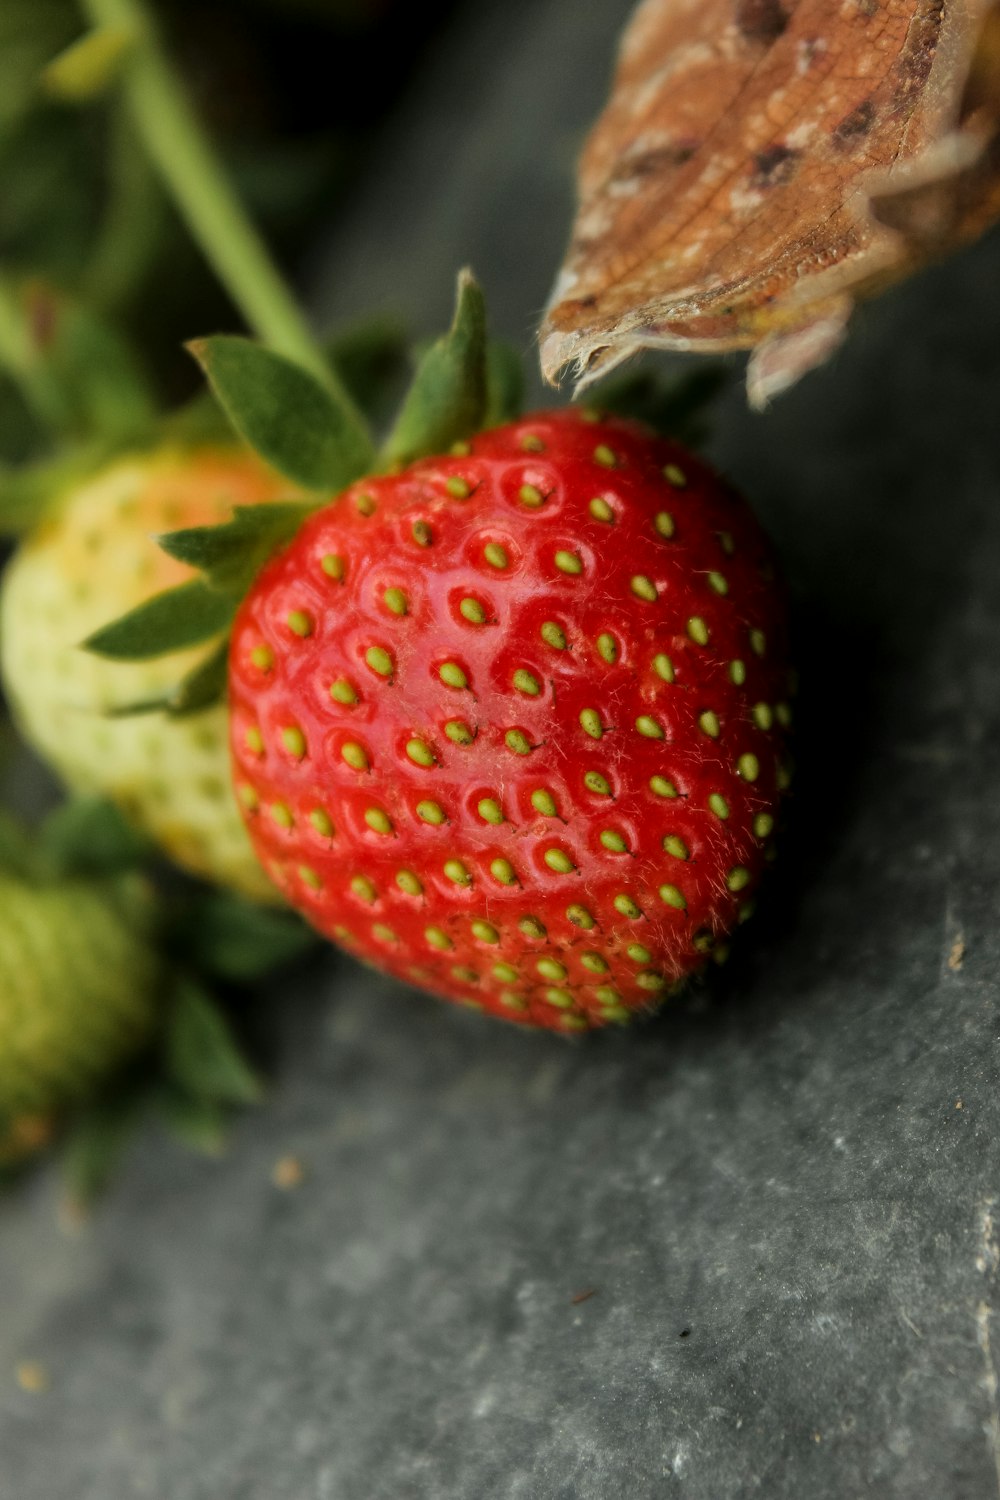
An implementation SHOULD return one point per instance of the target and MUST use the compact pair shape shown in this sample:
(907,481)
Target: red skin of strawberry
(567,822)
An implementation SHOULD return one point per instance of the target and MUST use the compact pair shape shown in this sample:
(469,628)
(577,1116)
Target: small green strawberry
(107,993)
(79,971)
(92,557)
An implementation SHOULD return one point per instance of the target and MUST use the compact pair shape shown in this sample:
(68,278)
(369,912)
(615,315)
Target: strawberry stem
(20,360)
(185,159)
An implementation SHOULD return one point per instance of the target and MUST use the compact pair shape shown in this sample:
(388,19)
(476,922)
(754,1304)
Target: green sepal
(88,67)
(369,358)
(88,836)
(200,1052)
(171,621)
(229,557)
(204,685)
(504,384)
(232,939)
(447,400)
(157,705)
(232,554)
(201,1125)
(294,422)
(96,1142)
(84,838)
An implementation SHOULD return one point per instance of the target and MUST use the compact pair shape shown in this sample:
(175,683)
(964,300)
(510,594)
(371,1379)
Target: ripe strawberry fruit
(509,723)
(93,557)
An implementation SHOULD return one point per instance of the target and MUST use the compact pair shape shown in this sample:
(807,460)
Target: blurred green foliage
(81,209)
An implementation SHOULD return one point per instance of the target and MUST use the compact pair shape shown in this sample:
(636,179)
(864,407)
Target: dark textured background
(783,1194)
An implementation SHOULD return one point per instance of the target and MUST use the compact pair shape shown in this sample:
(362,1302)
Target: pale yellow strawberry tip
(94,558)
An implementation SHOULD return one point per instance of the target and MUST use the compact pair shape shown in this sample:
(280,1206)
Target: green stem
(184,158)
(132,225)
(19,359)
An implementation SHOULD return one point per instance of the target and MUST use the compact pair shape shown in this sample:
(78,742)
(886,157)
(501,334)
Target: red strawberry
(509,723)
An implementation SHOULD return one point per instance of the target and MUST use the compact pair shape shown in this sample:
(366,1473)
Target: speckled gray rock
(751,1249)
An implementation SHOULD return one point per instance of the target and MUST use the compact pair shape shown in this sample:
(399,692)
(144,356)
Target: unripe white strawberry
(91,559)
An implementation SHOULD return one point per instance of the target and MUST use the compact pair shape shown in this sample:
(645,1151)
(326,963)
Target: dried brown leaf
(763,164)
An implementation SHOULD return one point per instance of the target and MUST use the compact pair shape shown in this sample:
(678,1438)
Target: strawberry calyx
(304,431)
(463,383)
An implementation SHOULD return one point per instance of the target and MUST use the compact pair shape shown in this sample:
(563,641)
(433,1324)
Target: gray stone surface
(785,1195)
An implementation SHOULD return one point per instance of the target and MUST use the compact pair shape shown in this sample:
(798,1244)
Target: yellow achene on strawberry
(510,723)
(93,557)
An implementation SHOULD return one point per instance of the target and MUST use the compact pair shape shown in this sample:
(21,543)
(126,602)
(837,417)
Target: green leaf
(94,1148)
(171,621)
(88,66)
(203,686)
(504,384)
(238,940)
(282,411)
(200,1124)
(94,366)
(201,1053)
(30,32)
(79,375)
(88,836)
(53,174)
(231,555)
(447,399)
